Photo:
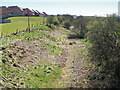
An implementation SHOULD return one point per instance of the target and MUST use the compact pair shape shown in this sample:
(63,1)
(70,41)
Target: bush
(80,26)
(65,20)
(50,20)
(105,49)
(67,25)
(55,21)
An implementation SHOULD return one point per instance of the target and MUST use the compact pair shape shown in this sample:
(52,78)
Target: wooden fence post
(1,34)
(17,31)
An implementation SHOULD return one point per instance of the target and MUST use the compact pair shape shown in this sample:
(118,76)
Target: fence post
(1,34)
(17,31)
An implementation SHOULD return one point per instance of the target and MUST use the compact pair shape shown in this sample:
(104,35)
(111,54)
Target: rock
(74,42)
(65,60)
(15,65)
(70,43)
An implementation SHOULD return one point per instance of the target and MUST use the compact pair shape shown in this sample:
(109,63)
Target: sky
(73,7)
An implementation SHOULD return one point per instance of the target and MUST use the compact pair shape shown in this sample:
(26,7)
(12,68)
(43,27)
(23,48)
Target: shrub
(55,21)
(105,49)
(50,20)
(80,26)
(67,25)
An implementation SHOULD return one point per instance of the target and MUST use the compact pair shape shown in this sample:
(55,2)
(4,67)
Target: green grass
(36,35)
(43,75)
(19,23)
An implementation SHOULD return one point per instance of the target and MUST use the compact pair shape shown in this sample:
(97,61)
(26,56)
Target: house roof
(21,8)
(38,11)
(11,7)
(33,11)
(44,12)
(3,7)
(27,9)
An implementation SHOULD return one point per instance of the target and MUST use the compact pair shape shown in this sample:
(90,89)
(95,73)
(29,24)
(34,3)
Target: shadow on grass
(74,36)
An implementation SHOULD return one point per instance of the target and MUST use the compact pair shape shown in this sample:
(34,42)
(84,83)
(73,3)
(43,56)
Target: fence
(20,31)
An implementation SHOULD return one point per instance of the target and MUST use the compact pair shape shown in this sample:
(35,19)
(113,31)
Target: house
(35,13)
(14,11)
(38,12)
(27,11)
(45,14)
(3,10)
(17,11)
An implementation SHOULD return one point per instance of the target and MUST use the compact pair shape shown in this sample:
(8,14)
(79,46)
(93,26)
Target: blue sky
(74,7)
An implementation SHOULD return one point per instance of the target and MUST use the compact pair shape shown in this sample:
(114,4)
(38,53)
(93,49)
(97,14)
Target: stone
(70,43)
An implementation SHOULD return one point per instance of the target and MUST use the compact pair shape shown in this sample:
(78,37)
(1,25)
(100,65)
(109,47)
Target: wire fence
(31,29)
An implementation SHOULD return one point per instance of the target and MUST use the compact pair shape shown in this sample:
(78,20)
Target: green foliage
(43,27)
(67,25)
(41,75)
(50,20)
(61,19)
(55,21)
(80,26)
(105,50)
(65,20)
(54,50)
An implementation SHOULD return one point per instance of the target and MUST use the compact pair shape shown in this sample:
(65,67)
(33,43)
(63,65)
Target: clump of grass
(54,49)
(42,75)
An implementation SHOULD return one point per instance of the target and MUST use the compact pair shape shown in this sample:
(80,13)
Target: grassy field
(19,23)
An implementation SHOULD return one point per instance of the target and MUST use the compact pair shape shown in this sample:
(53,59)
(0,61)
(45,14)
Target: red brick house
(35,13)
(17,11)
(3,10)
(14,10)
(27,11)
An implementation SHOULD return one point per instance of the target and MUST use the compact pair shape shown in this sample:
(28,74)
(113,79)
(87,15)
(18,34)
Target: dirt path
(80,70)
(66,71)
(75,72)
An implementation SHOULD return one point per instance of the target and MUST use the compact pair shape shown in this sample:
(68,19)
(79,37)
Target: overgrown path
(77,67)
(43,56)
